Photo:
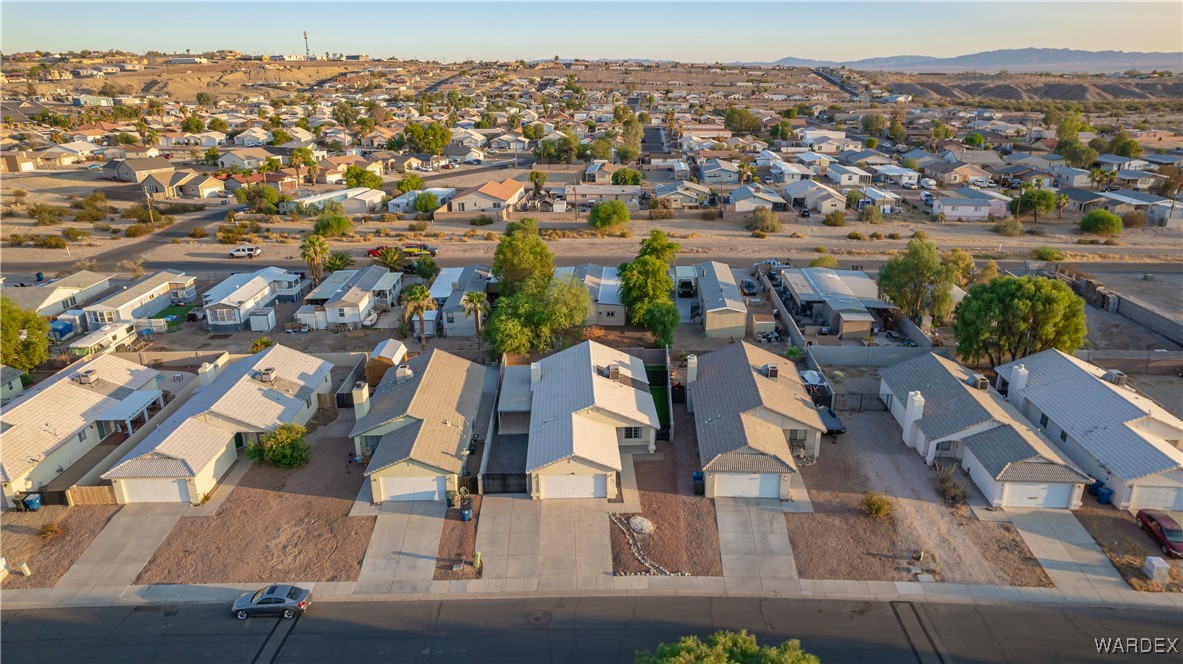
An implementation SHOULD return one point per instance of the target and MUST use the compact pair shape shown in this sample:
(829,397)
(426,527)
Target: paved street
(570,630)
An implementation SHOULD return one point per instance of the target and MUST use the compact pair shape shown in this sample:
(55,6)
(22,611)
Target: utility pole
(148,203)
(307,51)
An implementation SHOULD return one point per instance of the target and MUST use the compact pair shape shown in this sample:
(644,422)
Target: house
(590,194)
(683,195)
(844,301)
(183,459)
(16,163)
(752,416)
(11,386)
(863,158)
(603,284)
(848,176)
(749,197)
(489,196)
(188,184)
(588,403)
(950,415)
(253,137)
(1115,434)
(1138,180)
(50,299)
(949,175)
(813,195)
(788,171)
(228,306)
(1082,200)
(406,202)
(1112,163)
(896,175)
(142,298)
(819,164)
(62,418)
(416,428)
(136,170)
(724,313)
(346,297)
(461,154)
(201,186)
(968,204)
(886,201)
(600,172)
(511,141)
(454,319)
(117,336)
(719,171)
(245,158)
(966,155)
(1025,175)
(356,200)
(1065,177)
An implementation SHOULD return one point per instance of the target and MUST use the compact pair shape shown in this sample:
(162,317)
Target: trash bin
(700,485)
(453,499)
(33,502)
(1104,495)
(40,277)
(1095,486)
(466,514)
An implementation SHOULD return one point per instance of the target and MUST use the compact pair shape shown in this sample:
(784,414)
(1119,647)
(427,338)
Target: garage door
(575,486)
(1019,494)
(412,488)
(156,491)
(1158,498)
(747,485)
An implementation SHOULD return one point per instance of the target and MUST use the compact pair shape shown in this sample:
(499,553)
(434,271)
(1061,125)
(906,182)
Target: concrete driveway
(508,537)
(754,545)
(114,560)
(403,548)
(1073,560)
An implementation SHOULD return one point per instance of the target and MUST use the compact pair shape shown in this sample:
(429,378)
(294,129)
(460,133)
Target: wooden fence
(90,495)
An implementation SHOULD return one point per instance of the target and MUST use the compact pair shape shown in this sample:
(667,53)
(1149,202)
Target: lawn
(180,311)
(658,377)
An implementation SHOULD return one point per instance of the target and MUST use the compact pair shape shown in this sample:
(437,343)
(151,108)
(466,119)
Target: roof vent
(86,376)
(978,382)
(1116,377)
(403,373)
(267,375)
(772,371)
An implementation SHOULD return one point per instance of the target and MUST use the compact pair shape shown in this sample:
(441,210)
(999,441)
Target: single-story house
(135,170)
(11,385)
(355,200)
(968,204)
(346,297)
(603,283)
(454,319)
(751,196)
(724,313)
(683,194)
(840,300)
(406,202)
(489,196)
(142,298)
(848,176)
(52,298)
(228,306)
(719,171)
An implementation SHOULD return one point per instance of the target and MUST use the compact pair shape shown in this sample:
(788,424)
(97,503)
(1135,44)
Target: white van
(928,183)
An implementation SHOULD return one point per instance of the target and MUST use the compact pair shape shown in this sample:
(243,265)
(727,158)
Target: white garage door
(1158,498)
(1020,494)
(575,486)
(747,485)
(156,491)
(413,488)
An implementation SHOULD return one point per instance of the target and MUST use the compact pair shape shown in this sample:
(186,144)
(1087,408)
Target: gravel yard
(49,558)
(290,525)
(457,544)
(686,536)
(1119,536)
(1166,390)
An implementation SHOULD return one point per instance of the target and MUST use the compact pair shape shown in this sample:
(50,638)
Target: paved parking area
(754,544)
(1067,552)
(121,550)
(508,537)
(576,545)
(403,548)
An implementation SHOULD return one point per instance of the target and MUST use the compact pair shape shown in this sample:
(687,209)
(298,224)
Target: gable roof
(504,190)
(35,298)
(717,287)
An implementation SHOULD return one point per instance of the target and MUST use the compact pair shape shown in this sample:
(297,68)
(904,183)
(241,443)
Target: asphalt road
(571,630)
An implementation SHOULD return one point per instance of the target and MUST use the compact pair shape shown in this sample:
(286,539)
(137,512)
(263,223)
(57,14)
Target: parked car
(94,167)
(686,288)
(910,185)
(834,426)
(420,249)
(278,600)
(376,251)
(245,251)
(805,213)
(748,287)
(1165,530)
(474,162)
(928,183)
(411,268)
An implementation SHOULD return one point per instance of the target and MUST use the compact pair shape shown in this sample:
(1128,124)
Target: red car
(375,251)
(1164,530)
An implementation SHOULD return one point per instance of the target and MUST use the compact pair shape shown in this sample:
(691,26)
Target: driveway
(754,544)
(403,547)
(115,558)
(508,537)
(1067,552)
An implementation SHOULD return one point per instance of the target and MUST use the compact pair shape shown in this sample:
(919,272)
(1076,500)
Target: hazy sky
(687,31)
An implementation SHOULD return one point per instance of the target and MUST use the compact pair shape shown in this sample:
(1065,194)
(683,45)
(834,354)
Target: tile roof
(504,190)
(736,403)
(1005,453)
(717,287)
(138,289)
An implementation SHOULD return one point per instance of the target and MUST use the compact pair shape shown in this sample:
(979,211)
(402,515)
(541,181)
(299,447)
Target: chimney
(913,411)
(361,399)
(614,372)
(691,368)
(772,371)
(403,373)
(266,375)
(535,373)
(1018,381)
(207,373)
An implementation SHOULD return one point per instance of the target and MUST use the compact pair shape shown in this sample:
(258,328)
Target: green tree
(538,179)
(727,647)
(1124,146)
(662,319)
(356,176)
(1076,154)
(741,121)
(217,124)
(536,314)
(872,143)
(302,158)
(975,140)
(824,261)
(430,138)
(644,282)
(279,136)
(1069,127)
(24,337)
(260,344)
(1009,318)
(212,156)
(193,125)
(1101,222)
(411,182)
(391,258)
(426,202)
(659,246)
(896,131)
(853,197)
(426,268)
(476,306)
(283,447)
(337,261)
(607,214)
(332,225)
(873,124)
(259,197)
(417,301)
(521,255)
(601,148)
(270,165)
(627,176)
(314,251)
(204,99)
(918,282)
(910,163)
(1034,201)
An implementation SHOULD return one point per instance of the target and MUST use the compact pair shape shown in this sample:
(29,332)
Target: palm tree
(1096,176)
(1061,203)
(746,172)
(391,258)
(476,304)
(301,157)
(338,260)
(314,251)
(417,301)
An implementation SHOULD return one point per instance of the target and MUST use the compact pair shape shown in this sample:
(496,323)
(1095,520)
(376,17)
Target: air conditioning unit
(614,372)
(979,382)
(267,375)
(1116,377)
(86,377)
(772,371)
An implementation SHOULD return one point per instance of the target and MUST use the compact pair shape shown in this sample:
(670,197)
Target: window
(610,314)
(1063,436)
(341,313)
(308,401)
(797,435)
(102,317)
(70,301)
(944,446)
(632,433)
(1043,421)
(82,435)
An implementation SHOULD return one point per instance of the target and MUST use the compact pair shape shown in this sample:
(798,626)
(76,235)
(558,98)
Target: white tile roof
(717,287)
(244,287)
(148,284)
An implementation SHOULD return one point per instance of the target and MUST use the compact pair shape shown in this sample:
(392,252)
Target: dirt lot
(840,542)
(457,544)
(277,524)
(49,558)
(1126,545)
(686,536)
(1167,391)
(1112,331)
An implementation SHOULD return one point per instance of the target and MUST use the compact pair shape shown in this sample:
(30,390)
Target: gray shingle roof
(949,406)
(1007,456)
(717,287)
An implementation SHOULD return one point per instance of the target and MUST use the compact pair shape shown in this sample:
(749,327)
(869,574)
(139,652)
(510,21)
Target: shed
(388,353)
(262,320)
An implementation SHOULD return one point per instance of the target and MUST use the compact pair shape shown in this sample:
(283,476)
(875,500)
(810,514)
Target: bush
(795,353)
(89,215)
(75,234)
(824,261)
(51,242)
(920,235)
(763,220)
(876,236)
(1100,222)
(1046,254)
(483,220)
(262,343)
(820,250)
(835,218)
(710,214)
(198,232)
(426,268)
(894,236)
(607,214)
(418,226)
(953,492)
(877,505)
(283,448)
(51,529)
(1133,219)
(871,214)
(759,234)
(137,230)
(181,208)
(661,213)
(855,235)
(1009,227)
(332,225)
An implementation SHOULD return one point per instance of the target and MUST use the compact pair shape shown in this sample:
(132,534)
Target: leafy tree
(532,318)
(124,138)
(975,140)
(853,197)
(1069,127)
(476,305)
(284,447)
(1035,201)
(24,337)
(725,647)
(411,182)
(1009,318)
(217,124)
(204,99)
(627,153)
(918,282)
(872,143)
(538,179)
(1101,222)
(338,260)
(417,301)
(601,148)
(259,197)
(315,251)
(741,121)
(426,202)
(1076,154)
(212,156)
(521,255)
(1124,146)
(627,176)
(643,283)
(426,268)
(533,132)
(270,165)
(659,246)
(662,319)
(607,214)
(911,164)
(391,258)
(430,138)
(332,225)
(345,115)
(835,218)
(302,158)
(356,176)
(763,220)
(871,214)
(280,136)
(193,125)
(965,272)
(783,131)
(896,131)
(873,124)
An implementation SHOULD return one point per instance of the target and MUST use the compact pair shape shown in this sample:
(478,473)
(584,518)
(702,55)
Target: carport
(513,407)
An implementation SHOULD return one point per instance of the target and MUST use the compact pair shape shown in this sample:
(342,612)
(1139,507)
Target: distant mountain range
(1059,60)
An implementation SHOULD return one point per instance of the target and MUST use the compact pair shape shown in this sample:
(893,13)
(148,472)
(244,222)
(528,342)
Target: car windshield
(256,596)
(1173,535)
(294,593)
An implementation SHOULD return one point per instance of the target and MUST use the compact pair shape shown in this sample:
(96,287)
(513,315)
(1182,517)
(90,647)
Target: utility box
(1157,570)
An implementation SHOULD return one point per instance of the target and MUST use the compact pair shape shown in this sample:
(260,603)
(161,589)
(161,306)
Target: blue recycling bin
(1095,486)
(466,515)
(33,502)
(1104,495)
(40,277)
